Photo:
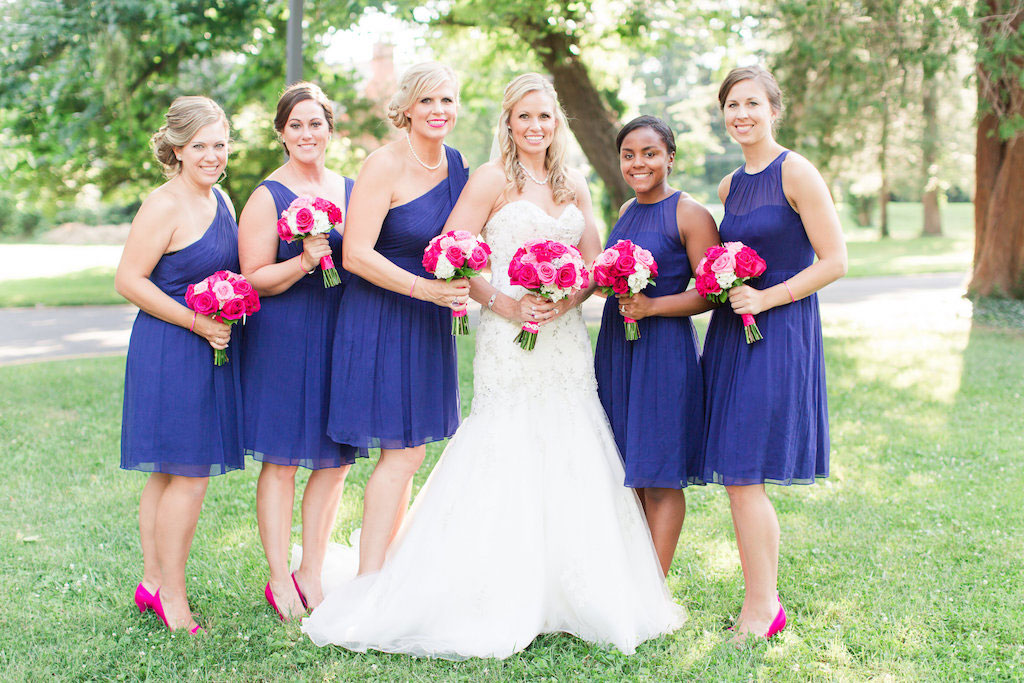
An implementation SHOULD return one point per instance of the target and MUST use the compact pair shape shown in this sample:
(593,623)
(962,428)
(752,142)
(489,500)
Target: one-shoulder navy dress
(394,377)
(652,388)
(182,414)
(286,372)
(766,405)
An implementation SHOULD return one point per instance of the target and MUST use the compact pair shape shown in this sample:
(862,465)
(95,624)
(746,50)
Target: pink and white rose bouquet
(452,255)
(724,267)
(550,270)
(307,216)
(226,297)
(625,268)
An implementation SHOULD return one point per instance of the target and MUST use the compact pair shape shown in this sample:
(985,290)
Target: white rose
(725,279)
(444,269)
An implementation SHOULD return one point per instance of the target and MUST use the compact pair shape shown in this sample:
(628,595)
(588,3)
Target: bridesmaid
(651,388)
(394,381)
(286,373)
(182,414)
(766,410)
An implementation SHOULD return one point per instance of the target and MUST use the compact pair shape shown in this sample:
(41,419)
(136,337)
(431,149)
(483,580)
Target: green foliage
(999,28)
(85,84)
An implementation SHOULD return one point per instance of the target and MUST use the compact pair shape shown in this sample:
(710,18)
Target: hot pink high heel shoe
(778,623)
(298,590)
(269,595)
(158,607)
(143,598)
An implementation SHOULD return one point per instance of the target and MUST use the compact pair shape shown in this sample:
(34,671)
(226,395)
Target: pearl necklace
(530,175)
(417,158)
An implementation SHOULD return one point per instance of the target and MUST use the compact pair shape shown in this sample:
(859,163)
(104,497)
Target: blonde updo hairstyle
(300,92)
(554,160)
(184,118)
(417,81)
(761,75)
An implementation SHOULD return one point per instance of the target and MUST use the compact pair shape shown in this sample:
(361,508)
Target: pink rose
(223,290)
(335,214)
(252,302)
(513,268)
(527,276)
(540,251)
(304,220)
(654,269)
(461,235)
(234,309)
(486,247)
(566,276)
(320,204)
(748,263)
(644,257)
(546,273)
(284,230)
(714,252)
(477,259)
(626,264)
(430,260)
(219,275)
(556,249)
(242,287)
(620,285)
(606,257)
(205,303)
(584,278)
(623,247)
(707,284)
(723,264)
(600,276)
(455,256)
(190,294)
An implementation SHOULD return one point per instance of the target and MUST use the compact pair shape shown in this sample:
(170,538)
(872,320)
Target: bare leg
(382,503)
(155,486)
(403,507)
(665,510)
(320,503)
(176,519)
(275,497)
(758,538)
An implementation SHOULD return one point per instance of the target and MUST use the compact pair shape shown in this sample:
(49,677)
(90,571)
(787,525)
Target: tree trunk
(999,191)
(589,118)
(929,152)
(883,157)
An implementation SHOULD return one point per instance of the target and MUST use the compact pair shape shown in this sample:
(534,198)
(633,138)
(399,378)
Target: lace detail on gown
(503,373)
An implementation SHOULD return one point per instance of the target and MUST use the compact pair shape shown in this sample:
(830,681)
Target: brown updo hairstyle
(762,76)
(300,92)
(417,81)
(184,118)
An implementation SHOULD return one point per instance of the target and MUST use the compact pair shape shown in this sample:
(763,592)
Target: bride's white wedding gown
(524,526)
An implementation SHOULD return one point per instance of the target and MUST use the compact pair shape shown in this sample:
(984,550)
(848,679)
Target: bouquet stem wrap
(460,322)
(527,337)
(331,278)
(750,329)
(632,329)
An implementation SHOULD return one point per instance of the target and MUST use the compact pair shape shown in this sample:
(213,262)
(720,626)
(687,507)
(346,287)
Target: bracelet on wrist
(490,302)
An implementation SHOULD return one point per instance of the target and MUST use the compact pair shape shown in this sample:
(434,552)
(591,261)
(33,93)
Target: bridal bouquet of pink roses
(307,216)
(625,267)
(227,297)
(724,267)
(452,255)
(549,269)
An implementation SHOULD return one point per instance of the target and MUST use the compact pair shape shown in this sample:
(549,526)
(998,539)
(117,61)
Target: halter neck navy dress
(766,409)
(182,414)
(394,378)
(651,388)
(286,372)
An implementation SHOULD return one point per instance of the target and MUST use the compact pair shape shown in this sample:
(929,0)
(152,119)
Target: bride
(524,526)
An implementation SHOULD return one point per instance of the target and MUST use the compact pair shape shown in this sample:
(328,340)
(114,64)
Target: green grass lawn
(904,565)
(91,287)
(906,252)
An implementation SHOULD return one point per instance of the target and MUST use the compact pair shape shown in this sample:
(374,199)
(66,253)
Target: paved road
(35,334)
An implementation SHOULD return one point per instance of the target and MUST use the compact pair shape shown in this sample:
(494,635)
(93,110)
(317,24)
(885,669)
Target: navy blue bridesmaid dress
(286,370)
(394,378)
(766,408)
(182,414)
(652,388)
